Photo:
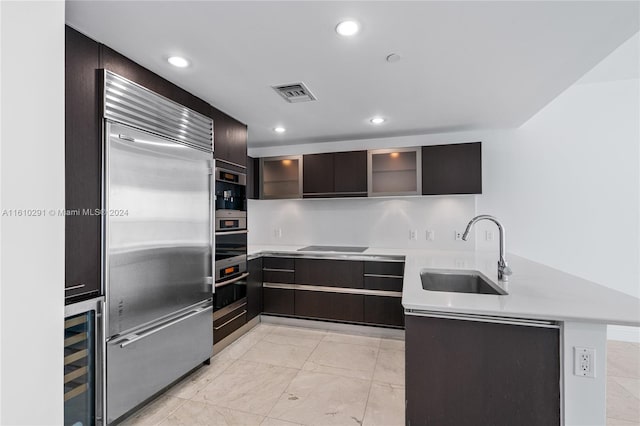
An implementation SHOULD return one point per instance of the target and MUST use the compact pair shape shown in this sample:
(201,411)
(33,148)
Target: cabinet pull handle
(230,321)
(232,280)
(74,287)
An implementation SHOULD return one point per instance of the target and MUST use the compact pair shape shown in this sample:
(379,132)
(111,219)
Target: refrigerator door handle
(153,330)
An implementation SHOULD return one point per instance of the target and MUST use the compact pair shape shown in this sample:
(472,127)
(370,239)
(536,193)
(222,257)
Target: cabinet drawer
(383,283)
(331,273)
(334,306)
(395,269)
(278,263)
(384,311)
(270,276)
(277,301)
(229,321)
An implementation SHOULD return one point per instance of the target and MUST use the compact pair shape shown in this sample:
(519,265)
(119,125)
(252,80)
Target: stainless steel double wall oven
(231,238)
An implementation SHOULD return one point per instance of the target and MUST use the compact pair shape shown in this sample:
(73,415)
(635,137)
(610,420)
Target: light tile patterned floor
(286,376)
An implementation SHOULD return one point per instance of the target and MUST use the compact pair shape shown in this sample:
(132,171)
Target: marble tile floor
(285,376)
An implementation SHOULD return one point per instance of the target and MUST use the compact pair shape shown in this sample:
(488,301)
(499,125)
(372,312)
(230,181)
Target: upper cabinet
(339,174)
(281,177)
(83,165)
(395,172)
(452,169)
(229,139)
(253,178)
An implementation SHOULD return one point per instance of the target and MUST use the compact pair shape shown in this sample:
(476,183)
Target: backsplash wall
(376,222)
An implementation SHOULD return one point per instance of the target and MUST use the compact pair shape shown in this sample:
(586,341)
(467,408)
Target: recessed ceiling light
(348,28)
(377,120)
(279,129)
(178,61)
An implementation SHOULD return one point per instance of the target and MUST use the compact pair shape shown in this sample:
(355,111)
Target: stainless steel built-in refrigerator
(158,242)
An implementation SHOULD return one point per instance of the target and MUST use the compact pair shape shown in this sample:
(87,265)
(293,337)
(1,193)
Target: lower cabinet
(462,372)
(383,310)
(278,301)
(254,288)
(329,305)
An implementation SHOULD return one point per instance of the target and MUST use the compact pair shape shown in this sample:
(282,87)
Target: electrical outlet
(457,235)
(584,362)
(430,235)
(277,232)
(488,235)
(413,234)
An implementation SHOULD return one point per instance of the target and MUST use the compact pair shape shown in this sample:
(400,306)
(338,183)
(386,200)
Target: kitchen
(558,130)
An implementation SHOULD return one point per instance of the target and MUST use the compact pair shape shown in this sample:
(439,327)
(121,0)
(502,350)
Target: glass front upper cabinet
(281,177)
(395,172)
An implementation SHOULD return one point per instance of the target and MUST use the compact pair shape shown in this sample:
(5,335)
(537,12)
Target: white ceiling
(465,65)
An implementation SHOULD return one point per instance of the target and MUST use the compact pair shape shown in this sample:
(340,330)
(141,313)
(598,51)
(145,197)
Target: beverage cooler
(83,340)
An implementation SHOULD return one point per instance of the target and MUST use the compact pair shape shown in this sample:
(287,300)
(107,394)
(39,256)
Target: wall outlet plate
(457,235)
(431,235)
(413,234)
(584,362)
(488,235)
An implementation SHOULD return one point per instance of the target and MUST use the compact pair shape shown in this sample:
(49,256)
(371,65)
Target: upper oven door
(231,190)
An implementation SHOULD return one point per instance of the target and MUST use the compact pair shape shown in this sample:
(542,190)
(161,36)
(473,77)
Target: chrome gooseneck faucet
(503,269)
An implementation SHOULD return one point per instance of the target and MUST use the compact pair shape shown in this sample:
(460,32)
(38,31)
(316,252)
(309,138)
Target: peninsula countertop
(535,291)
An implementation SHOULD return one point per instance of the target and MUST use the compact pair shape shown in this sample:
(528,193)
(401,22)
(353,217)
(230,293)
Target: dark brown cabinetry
(476,373)
(452,169)
(229,139)
(385,308)
(354,291)
(327,305)
(335,174)
(253,178)
(329,273)
(278,301)
(83,165)
(276,272)
(317,176)
(254,288)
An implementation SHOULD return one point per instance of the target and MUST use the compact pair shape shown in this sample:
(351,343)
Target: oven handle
(232,280)
(244,231)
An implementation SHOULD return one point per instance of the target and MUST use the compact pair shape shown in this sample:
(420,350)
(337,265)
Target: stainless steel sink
(457,281)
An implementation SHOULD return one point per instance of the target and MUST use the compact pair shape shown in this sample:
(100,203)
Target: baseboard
(625,334)
(386,333)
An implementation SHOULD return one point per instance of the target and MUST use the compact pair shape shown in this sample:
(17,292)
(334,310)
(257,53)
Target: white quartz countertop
(535,291)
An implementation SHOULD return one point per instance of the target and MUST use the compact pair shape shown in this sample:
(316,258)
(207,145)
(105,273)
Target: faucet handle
(507,270)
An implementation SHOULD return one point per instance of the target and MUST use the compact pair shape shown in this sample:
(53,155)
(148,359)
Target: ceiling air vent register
(295,92)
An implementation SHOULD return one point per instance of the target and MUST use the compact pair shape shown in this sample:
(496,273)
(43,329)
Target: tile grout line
(366,404)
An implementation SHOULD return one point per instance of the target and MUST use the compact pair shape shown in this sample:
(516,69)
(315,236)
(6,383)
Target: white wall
(377,222)
(567,185)
(31,177)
